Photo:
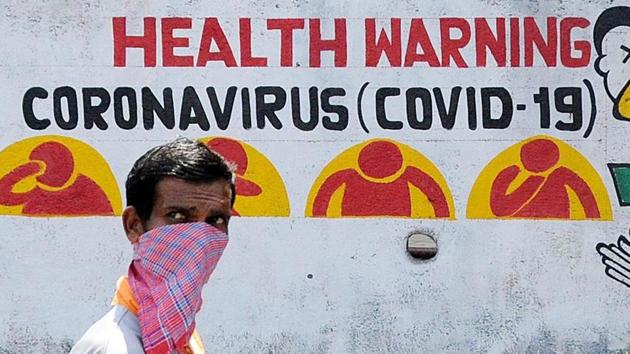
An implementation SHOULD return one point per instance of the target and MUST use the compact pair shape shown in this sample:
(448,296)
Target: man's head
(180,181)
(611,36)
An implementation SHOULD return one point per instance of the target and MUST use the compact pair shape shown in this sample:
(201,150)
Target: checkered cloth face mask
(170,266)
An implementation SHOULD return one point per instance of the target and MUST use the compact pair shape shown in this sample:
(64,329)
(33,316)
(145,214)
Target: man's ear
(132,224)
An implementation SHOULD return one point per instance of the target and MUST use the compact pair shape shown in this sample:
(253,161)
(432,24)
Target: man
(611,36)
(179,197)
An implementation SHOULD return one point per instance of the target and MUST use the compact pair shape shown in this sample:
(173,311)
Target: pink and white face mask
(170,265)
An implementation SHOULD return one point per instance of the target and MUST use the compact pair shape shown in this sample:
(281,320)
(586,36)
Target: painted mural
(616,259)
(610,37)
(56,176)
(260,190)
(620,173)
(482,124)
(539,178)
(380,178)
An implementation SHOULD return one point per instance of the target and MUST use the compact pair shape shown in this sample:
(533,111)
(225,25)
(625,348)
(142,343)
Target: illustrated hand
(7,182)
(28,169)
(247,188)
(504,203)
(616,258)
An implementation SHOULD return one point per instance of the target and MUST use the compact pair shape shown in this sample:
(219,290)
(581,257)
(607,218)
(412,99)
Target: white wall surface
(495,285)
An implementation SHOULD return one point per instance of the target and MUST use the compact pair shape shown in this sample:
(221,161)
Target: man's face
(179,201)
(614,66)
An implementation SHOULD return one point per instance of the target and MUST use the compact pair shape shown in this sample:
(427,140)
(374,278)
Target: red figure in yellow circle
(234,152)
(381,186)
(52,165)
(539,196)
(541,177)
(260,190)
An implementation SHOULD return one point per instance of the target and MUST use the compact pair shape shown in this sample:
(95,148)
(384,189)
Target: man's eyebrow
(179,208)
(623,47)
(218,212)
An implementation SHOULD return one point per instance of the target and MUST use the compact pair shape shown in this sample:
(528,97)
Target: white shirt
(118,332)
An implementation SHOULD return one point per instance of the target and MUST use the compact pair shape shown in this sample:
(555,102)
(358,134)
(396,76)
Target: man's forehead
(176,188)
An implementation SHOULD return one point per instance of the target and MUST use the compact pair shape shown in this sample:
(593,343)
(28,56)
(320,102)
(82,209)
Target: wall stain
(26,341)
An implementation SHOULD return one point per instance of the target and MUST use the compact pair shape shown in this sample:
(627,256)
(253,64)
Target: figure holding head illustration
(380,186)
(52,166)
(542,188)
(611,36)
(234,152)
(260,189)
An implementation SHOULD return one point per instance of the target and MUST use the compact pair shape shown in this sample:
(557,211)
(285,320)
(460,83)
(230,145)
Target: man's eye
(625,60)
(217,221)
(177,216)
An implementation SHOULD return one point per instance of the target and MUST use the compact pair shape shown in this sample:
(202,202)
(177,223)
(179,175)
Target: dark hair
(607,20)
(182,158)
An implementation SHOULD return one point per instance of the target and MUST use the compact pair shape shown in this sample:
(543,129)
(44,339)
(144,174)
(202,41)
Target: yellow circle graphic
(260,190)
(539,178)
(54,175)
(380,178)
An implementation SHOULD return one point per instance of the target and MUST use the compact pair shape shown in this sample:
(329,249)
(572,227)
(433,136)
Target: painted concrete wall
(516,201)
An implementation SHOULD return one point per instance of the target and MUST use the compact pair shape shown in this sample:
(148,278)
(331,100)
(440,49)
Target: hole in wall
(421,246)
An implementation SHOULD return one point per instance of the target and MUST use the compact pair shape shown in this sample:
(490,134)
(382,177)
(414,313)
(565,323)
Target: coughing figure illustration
(259,188)
(540,196)
(234,152)
(55,193)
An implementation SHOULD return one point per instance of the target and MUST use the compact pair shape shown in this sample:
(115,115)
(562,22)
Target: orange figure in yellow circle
(234,152)
(539,196)
(371,190)
(52,165)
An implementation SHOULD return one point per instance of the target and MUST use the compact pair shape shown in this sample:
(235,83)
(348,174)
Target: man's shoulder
(118,332)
